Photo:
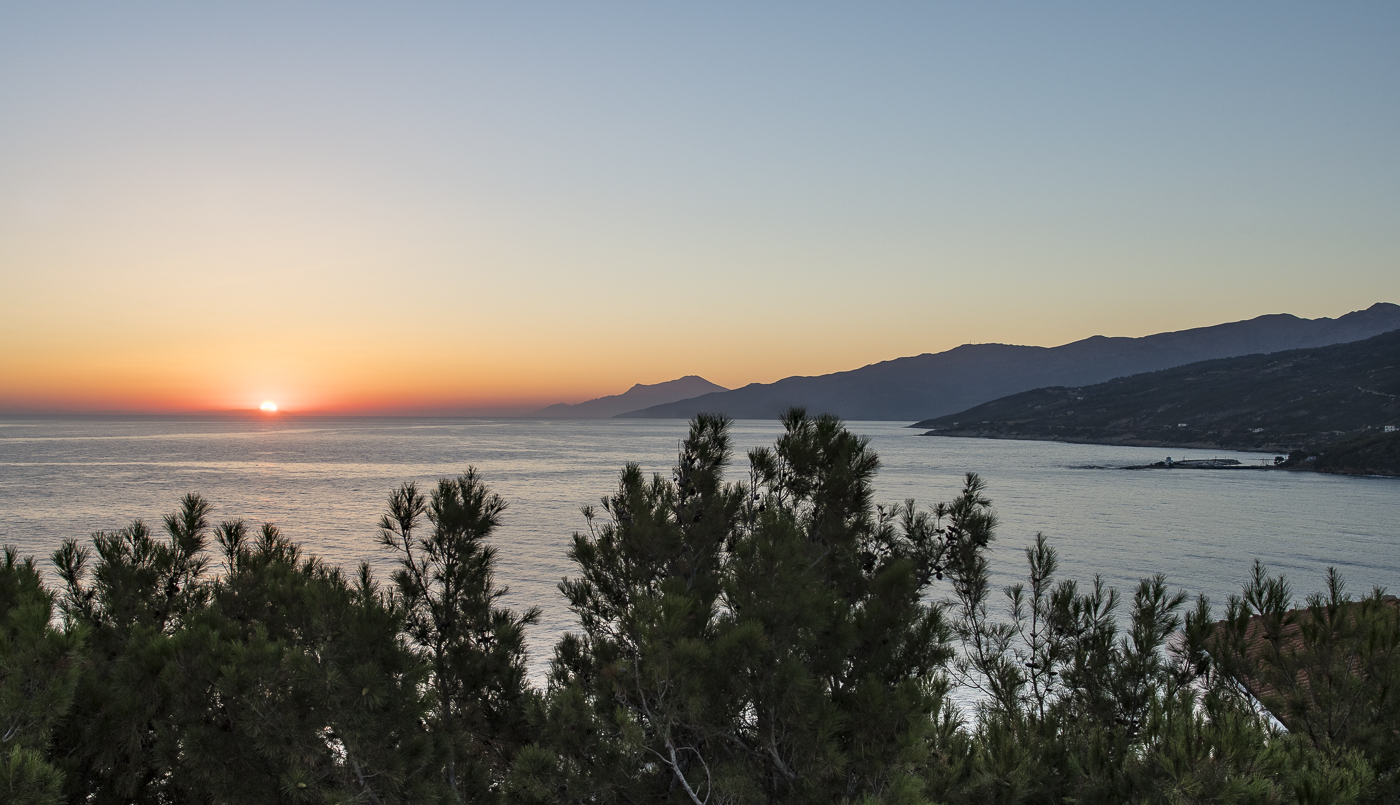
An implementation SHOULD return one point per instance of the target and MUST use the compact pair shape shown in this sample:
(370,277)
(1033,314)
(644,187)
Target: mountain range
(1302,398)
(639,396)
(933,385)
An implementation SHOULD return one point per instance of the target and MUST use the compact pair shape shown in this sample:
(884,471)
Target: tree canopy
(776,638)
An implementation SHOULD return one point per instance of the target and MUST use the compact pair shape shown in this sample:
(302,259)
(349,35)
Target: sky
(464,208)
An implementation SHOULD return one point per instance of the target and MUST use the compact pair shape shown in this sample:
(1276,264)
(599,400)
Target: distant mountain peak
(641,395)
(687,381)
(930,385)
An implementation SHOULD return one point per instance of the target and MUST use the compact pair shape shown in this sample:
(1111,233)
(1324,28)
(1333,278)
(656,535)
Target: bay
(324,482)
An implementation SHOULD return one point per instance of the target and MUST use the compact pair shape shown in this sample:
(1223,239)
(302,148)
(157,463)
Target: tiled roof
(1257,646)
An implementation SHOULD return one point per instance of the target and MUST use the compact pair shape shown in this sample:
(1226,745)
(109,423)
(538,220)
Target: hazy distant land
(1332,401)
(638,396)
(934,385)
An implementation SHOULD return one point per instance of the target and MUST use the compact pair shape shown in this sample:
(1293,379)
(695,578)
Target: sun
(269,406)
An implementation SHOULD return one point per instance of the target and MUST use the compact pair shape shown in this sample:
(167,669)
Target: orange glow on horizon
(315,369)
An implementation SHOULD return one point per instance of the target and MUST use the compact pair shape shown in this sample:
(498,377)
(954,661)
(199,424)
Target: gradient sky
(452,207)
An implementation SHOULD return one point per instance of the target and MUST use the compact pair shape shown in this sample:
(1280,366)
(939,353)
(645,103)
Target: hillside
(937,384)
(1278,402)
(1370,454)
(639,396)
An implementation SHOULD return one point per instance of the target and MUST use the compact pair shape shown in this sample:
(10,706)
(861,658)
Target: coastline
(1296,461)
(1115,441)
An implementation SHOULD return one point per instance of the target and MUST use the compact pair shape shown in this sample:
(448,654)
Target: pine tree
(278,681)
(769,642)
(293,684)
(474,648)
(39,667)
(1329,671)
(140,592)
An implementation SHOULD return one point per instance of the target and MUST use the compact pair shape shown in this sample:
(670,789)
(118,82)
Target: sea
(324,482)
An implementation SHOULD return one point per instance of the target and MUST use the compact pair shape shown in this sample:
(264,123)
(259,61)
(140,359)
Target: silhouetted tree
(769,642)
(279,681)
(474,649)
(38,673)
(782,640)
(141,590)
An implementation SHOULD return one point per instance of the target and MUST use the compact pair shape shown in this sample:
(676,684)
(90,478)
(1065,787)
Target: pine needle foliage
(782,638)
(38,675)
(278,681)
(473,647)
(762,642)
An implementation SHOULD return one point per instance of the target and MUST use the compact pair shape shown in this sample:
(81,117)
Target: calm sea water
(324,482)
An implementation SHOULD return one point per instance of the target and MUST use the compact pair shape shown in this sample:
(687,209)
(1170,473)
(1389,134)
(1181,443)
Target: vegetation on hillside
(1368,454)
(784,639)
(931,385)
(1300,399)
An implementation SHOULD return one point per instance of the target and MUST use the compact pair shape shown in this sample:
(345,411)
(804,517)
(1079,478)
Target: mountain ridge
(640,394)
(934,384)
(1280,401)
